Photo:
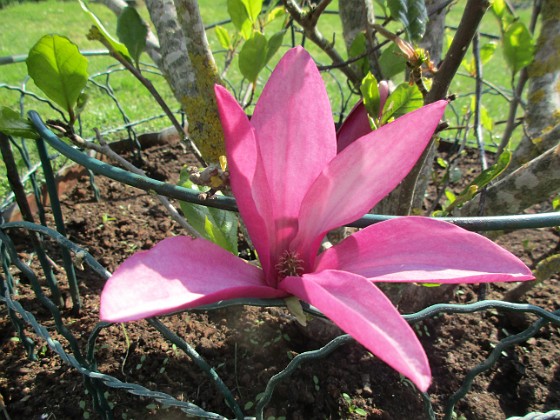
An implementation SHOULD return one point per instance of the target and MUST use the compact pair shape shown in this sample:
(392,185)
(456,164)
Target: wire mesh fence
(82,357)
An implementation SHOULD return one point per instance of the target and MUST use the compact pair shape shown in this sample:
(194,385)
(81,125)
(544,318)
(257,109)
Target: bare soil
(247,345)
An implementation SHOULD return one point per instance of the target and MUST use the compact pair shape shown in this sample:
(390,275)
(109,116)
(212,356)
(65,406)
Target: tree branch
(308,21)
(532,183)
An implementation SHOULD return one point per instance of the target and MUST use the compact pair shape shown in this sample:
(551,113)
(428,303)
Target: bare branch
(308,20)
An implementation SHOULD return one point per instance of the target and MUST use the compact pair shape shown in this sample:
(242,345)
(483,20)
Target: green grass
(24,24)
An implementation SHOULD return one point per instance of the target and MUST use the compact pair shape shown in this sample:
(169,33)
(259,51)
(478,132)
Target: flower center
(289,264)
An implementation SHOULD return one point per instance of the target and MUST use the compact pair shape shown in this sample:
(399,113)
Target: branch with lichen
(308,21)
(95,34)
(200,105)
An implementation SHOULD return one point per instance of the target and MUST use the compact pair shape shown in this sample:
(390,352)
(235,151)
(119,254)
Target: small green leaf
(487,52)
(519,46)
(404,99)
(240,18)
(383,5)
(294,306)
(59,69)
(485,118)
(253,8)
(391,61)
(556,203)
(275,13)
(450,195)
(12,124)
(482,181)
(360,412)
(357,49)
(273,44)
(216,225)
(223,37)
(499,7)
(253,55)
(99,33)
(132,32)
(546,268)
(442,162)
(412,14)
(370,94)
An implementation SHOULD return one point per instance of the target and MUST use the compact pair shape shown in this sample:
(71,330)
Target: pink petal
(354,126)
(248,180)
(358,307)
(176,274)
(296,136)
(363,173)
(418,249)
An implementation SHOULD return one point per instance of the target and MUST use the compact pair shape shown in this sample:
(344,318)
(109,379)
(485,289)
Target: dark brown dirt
(248,345)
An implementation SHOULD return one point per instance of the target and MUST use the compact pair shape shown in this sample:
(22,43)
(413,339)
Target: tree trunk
(185,59)
(356,17)
(543,107)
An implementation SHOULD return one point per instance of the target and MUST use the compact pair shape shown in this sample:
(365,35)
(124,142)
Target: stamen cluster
(289,264)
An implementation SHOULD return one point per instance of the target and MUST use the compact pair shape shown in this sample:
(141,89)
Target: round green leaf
(253,55)
(59,69)
(132,32)
(12,124)
(519,47)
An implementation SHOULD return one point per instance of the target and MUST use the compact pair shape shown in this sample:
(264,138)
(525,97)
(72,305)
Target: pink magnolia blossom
(292,187)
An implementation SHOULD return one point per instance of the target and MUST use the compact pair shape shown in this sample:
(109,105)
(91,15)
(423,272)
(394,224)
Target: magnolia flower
(292,187)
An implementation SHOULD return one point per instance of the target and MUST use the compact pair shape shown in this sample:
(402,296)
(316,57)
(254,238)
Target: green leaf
(216,225)
(12,124)
(273,44)
(519,46)
(442,162)
(240,18)
(450,195)
(412,14)
(275,13)
(546,268)
(487,52)
(223,37)
(294,306)
(59,69)
(370,94)
(556,203)
(383,5)
(99,33)
(391,61)
(404,99)
(253,55)
(132,32)
(360,412)
(485,118)
(481,181)
(499,7)
(253,8)
(358,48)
